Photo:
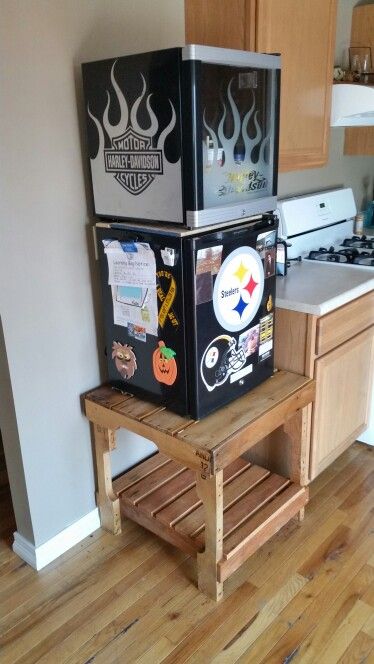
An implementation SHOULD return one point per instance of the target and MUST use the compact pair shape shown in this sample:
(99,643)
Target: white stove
(319,227)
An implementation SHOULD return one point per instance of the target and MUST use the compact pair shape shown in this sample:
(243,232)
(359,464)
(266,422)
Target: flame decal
(151,131)
(230,176)
(115,130)
(130,118)
(99,129)
(240,127)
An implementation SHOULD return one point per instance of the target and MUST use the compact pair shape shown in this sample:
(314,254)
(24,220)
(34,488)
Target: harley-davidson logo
(133,160)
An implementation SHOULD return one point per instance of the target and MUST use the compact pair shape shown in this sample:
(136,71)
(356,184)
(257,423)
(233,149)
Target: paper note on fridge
(130,264)
(128,310)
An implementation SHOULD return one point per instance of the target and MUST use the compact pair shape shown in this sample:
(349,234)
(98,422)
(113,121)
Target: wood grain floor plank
(39,587)
(311,630)
(70,600)
(360,650)
(348,629)
(83,632)
(307,595)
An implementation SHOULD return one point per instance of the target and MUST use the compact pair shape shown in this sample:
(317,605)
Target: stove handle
(282,263)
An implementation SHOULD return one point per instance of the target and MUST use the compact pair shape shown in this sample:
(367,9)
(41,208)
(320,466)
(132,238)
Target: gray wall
(49,305)
(46,296)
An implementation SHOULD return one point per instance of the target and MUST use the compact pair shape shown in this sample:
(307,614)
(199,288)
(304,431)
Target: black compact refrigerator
(189,314)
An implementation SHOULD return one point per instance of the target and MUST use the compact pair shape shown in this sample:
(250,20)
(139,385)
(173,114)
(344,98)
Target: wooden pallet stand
(198,492)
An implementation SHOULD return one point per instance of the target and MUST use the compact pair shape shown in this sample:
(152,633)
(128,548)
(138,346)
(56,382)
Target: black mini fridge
(189,315)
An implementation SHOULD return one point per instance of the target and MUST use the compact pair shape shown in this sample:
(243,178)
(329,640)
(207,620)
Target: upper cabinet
(304,33)
(360,140)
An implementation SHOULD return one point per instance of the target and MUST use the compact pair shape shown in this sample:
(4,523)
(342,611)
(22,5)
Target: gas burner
(349,253)
(359,242)
(366,260)
(328,256)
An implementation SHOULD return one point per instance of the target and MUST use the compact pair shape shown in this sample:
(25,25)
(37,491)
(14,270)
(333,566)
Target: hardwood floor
(306,596)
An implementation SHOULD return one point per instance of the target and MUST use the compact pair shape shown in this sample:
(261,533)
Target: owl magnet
(164,365)
(124,359)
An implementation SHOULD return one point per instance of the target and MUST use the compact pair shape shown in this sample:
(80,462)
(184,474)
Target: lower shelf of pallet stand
(161,495)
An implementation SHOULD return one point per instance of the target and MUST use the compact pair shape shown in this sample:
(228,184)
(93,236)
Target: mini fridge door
(231,135)
(233,277)
(143,304)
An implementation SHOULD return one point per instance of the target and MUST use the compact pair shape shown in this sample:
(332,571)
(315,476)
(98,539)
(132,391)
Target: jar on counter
(358,227)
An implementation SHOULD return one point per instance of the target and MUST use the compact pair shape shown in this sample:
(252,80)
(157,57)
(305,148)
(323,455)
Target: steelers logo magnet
(238,289)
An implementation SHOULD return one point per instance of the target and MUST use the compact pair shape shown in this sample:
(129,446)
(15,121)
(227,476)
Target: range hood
(352,105)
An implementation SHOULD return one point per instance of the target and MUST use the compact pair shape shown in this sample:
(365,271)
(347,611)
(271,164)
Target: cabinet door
(215,23)
(360,140)
(340,410)
(304,33)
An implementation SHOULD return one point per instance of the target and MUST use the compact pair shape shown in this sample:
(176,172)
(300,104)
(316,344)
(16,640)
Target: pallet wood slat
(189,501)
(255,503)
(248,505)
(138,472)
(259,521)
(262,494)
(138,409)
(168,534)
(234,490)
(153,481)
(269,520)
(167,493)
(107,396)
(165,420)
(221,425)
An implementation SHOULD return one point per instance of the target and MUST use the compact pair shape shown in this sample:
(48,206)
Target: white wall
(46,296)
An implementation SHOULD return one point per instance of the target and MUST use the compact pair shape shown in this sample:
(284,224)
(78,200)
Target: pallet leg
(210,491)
(297,429)
(108,502)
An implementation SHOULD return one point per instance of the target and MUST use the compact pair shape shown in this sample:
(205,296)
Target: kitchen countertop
(318,288)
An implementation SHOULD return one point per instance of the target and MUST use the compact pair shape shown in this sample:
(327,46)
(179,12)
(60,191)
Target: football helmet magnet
(220,359)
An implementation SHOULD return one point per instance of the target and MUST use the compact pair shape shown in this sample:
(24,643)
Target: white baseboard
(40,556)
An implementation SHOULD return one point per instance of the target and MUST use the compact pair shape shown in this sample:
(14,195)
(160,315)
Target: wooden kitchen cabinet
(338,351)
(304,33)
(340,410)
(360,140)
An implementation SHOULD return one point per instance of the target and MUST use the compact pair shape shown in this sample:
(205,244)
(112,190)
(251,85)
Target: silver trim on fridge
(217,215)
(229,56)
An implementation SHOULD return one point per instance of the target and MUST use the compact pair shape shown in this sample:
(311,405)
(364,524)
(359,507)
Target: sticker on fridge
(137,307)
(209,259)
(132,278)
(166,293)
(238,289)
(124,359)
(164,365)
(249,340)
(137,331)
(266,337)
(220,359)
(269,262)
(265,240)
(130,264)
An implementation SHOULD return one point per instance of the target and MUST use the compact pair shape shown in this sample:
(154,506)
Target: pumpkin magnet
(164,365)
(124,359)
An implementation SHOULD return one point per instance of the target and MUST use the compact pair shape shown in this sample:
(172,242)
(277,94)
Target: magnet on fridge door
(221,358)
(124,359)
(165,368)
